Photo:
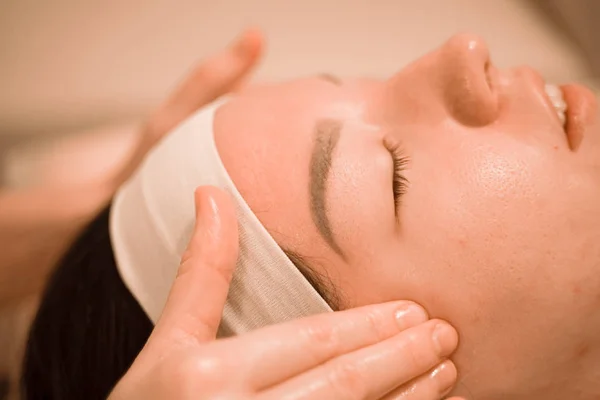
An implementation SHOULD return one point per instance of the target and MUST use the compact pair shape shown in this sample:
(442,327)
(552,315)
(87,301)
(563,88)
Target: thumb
(195,304)
(209,80)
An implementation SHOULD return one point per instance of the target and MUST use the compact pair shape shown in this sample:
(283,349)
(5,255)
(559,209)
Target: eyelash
(399,182)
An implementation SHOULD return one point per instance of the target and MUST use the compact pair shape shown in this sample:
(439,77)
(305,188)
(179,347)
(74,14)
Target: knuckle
(185,265)
(418,352)
(347,381)
(412,352)
(208,369)
(190,375)
(375,322)
(186,256)
(322,338)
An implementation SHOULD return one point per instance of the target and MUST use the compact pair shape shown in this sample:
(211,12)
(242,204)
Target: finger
(286,350)
(195,304)
(434,385)
(209,80)
(374,371)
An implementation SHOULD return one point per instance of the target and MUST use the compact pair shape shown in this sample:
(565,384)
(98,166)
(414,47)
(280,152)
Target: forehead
(265,139)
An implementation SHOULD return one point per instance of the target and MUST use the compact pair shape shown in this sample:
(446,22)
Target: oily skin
(499,229)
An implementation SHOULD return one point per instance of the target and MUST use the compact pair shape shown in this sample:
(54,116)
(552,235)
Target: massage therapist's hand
(386,351)
(212,78)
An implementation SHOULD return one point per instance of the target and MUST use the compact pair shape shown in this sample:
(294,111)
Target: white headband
(151,222)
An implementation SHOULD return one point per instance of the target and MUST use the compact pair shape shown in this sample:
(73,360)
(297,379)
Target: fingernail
(445,339)
(207,216)
(410,315)
(444,377)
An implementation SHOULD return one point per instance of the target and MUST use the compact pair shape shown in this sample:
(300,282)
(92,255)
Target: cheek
(495,217)
(498,245)
(497,180)
(487,197)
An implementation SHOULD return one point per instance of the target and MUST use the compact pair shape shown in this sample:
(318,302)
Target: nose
(468,80)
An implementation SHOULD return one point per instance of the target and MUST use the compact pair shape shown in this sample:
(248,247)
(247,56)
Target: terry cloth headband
(151,222)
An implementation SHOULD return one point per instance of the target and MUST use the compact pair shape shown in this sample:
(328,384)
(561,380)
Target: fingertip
(408,304)
(249,43)
(210,201)
(207,209)
(409,314)
(445,337)
(216,216)
(445,375)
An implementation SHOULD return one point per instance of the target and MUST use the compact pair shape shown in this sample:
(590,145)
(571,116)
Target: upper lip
(581,107)
(540,86)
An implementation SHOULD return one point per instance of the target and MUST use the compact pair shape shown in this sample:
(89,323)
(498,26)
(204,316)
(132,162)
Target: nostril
(488,77)
(471,81)
(492,78)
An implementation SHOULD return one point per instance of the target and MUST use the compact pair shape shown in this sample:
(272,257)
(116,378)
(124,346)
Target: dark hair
(89,328)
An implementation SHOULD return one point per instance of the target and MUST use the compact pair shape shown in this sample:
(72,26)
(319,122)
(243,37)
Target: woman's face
(496,229)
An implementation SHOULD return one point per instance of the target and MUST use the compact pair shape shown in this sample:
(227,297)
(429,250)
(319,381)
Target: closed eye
(399,181)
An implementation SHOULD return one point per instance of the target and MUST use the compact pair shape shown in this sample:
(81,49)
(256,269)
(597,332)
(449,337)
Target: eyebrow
(326,137)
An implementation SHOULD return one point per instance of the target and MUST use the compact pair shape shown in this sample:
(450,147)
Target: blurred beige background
(76,76)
